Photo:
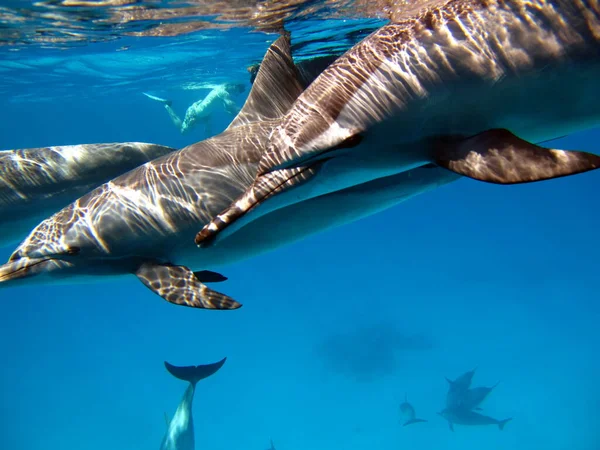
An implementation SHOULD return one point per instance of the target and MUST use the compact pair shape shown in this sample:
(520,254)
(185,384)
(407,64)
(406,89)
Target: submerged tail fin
(193,374)
(498,156)
(411,421)
(502,423)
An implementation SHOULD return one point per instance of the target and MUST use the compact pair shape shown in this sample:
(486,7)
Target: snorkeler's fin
(179,285)
(158,99)
(498,156)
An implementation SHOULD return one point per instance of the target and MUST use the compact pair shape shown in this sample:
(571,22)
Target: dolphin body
(464,417)
(467,85)
(458,389)
(180,429)
(139,222)
(408,411)
(37,182)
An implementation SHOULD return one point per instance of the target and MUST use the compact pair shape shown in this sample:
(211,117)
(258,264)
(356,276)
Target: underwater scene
(295,225)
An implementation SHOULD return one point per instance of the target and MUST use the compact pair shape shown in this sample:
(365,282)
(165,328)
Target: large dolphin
(37,182)
(463,416)
(468,85)
(180,429)
(141,222)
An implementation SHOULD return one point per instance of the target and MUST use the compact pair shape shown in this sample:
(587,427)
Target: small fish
(408,411)
(464,417)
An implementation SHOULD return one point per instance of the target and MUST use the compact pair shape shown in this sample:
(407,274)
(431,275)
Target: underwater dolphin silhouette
(465,417)
(137,223)
(468,85)
(180,429)
(458,388)
(36,182)
(408,411)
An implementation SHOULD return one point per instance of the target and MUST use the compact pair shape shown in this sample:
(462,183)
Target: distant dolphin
(272,447)
(458,388)
(468,85)
(465,417)
(137,223)
(180,430)
(408,412)
(37,182)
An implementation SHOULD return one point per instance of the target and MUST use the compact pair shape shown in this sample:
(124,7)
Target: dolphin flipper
(412,421)
(193,374)
(207,276)
(179,285)
(158,99)
(263,188)
(498,156)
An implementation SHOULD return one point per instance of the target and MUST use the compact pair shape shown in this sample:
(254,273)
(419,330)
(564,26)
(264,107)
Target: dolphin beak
(26,267)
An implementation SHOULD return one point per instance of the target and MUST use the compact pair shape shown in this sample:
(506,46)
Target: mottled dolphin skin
(466,417)
(37,182)
(138,222)
(408,411)
(180,429)
(468,85)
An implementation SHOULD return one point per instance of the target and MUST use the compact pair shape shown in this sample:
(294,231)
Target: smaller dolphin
(462,416)
(458,388)
(37,182)
(180,430)
(408,411)
(272,447)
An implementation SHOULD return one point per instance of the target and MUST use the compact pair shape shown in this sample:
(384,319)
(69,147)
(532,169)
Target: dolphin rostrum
(180,429)
(408,411)
(37,182)
(467,85)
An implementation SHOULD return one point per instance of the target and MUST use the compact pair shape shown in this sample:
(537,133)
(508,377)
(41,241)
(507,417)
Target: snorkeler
(202,110)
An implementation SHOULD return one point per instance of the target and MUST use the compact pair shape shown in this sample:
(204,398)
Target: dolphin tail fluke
(502,423)
(164,101)
(193,374)
(413,421)
(498,156)
(180,286)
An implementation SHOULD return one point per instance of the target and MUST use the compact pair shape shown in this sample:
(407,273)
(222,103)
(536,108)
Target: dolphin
(36,182)
(458,388)
(464,417)
(272,446)
(471,86)
(180,429)
(408,411)
(137,222)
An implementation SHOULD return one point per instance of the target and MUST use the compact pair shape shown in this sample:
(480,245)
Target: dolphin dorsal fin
(276,87)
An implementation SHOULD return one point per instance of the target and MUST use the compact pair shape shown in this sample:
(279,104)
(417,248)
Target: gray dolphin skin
(37,182)
(180,429)
(139,223)
(468,85)
(465,417)
(408,411)
(458,389)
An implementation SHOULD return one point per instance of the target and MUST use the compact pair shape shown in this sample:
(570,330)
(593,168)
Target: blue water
(495,277)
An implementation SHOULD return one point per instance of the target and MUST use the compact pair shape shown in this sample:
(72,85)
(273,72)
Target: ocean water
(336,328)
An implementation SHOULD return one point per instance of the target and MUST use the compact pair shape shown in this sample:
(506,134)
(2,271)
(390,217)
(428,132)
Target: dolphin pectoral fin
(179,285)
(498,156)
(207,276)
(502,423)
(264,187)
(158,99)
(478,409)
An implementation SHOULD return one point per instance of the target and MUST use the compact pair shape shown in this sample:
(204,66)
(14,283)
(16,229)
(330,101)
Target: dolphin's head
(56,248)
